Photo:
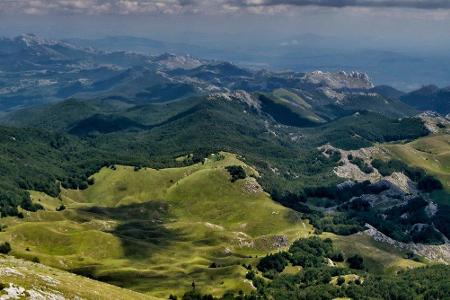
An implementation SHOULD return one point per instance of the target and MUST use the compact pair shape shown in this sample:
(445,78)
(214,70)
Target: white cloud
(204,6)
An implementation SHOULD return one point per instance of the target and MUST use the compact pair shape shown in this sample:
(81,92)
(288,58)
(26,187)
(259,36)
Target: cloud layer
(420,4)
(197,6)
(95,6)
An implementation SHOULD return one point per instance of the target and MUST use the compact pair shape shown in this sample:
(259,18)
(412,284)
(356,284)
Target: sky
(415,25)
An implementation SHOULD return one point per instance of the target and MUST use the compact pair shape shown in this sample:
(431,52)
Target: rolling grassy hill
(41,154)
(156,231)
(114,185)
(429,153)
(289,108)
(378,257)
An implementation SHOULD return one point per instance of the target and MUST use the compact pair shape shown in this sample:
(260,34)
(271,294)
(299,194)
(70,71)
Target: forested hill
(166,173)
(73,146)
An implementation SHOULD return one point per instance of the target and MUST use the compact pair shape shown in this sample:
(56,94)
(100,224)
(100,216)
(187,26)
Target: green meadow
(158,231)
(430,153)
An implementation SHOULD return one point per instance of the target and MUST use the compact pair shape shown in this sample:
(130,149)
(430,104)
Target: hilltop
(156,231)
(169,174)
(147,229)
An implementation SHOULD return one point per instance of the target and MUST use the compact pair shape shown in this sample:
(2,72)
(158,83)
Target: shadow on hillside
(141,226)
(101,123)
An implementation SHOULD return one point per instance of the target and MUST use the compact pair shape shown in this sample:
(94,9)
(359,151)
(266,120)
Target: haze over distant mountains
(169,159)
(403,69)
(38,71)
(225,149)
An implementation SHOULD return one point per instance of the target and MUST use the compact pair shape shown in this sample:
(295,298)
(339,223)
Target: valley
(157,231)
(152,177)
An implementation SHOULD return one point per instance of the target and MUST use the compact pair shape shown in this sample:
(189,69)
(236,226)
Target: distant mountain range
(306,53)
(173,156)
(38,71)
(429,98)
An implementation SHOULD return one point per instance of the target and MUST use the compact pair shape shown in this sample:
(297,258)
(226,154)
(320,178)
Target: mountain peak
(427,89)
(31,40)
(238,96)
(172,61)
(339,80)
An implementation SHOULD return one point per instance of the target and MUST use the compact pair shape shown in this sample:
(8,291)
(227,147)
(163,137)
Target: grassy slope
(301,107)
(208,219)
(52,283)
(159,230)
(430,153)
(377,257)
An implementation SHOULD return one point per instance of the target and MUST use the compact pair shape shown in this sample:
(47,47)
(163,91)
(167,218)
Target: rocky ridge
(435,122)
(437,253)
(339,80)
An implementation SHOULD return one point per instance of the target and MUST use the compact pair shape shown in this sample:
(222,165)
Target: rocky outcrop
(397,182)
(238,96)
(339,80)
(402,182)
(170,61)
(434,122)
(437,253)
(347,169)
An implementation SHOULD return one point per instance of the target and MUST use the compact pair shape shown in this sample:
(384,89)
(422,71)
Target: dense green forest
(45,159)
(152,172)
(319,280)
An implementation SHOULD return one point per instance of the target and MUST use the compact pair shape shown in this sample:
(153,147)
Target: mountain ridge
(141,78)
(430,98)
(161,173)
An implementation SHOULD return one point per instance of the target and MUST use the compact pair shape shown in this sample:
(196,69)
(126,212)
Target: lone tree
(236,172)
(5,248)
(356,262)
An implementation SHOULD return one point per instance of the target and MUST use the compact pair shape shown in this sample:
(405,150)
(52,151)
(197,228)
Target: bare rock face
(435,123)
(431,209)
(280,241)
(251,186)
(395,190)
(171,61)
(438,253)
(274,242)
(339,80)
(350,171)
(398,182)
(402,181)
(332,94)
(239,96)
